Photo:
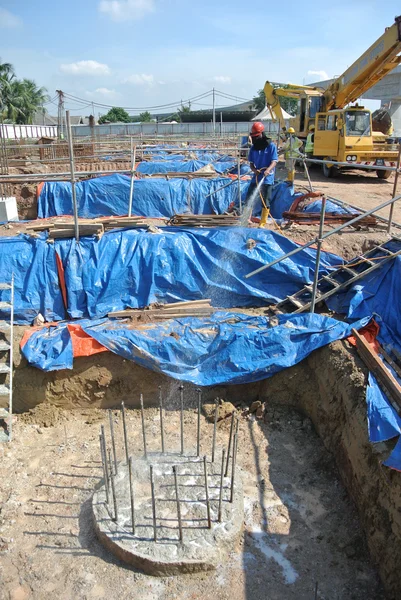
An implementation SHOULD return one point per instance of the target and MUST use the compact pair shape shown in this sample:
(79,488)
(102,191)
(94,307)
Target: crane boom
(371,67)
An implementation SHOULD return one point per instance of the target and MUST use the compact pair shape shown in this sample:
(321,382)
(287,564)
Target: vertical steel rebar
(113,441)
(152,486)
(143,427)
(216,416)
(181,388)
(131,494)
(209,520)
(125,432)
(318,253)
(113,488)
(390,217)
(233,462)
(72,169)
(161,416)
(223,456)
(230,441)
(199,422)
(105,472)
(177,498)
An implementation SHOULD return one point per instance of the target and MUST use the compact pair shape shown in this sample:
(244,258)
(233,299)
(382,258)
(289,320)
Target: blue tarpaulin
(379,294)
(183,166)
(224,348)
(134,268)
(153,197)
(36,283)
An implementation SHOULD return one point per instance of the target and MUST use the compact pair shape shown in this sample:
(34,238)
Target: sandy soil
(300,527)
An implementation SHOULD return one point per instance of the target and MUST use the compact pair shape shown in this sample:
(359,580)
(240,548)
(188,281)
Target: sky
(144,53)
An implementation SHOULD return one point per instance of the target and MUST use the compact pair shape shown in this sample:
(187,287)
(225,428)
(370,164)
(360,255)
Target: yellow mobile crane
(344,133)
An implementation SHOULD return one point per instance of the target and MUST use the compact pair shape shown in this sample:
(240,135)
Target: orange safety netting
(82,343)
(369,332)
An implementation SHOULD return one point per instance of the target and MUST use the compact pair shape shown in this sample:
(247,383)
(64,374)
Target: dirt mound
(44,415)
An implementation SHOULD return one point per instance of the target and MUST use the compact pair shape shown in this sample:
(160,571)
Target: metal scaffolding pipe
(72,167)
(351,165)
(318,253)
(326,235)
(390,217)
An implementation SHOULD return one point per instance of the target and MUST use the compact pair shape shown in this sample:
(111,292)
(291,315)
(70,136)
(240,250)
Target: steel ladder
(6,360)
(341,278)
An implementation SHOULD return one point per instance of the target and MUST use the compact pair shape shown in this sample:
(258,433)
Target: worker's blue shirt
(262,159)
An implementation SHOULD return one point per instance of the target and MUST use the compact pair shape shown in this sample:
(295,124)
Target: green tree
(145,117)
(19,99)
(183,110)
(115,115)
(287,104)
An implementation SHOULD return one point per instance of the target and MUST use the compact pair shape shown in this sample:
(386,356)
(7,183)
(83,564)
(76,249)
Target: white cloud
(85,67)
(102,91)
(8,20)
(126,10)
(141,79)
(222,79)
(321,74)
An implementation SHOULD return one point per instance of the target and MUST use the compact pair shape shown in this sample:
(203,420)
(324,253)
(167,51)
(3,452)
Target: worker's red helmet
(257,129)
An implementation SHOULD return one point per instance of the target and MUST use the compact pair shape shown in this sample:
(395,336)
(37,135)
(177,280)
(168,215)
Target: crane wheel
(383,174)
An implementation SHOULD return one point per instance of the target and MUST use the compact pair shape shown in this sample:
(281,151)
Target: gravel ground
(300,527)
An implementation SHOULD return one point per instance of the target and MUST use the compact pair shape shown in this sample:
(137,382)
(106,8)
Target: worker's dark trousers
(266,192)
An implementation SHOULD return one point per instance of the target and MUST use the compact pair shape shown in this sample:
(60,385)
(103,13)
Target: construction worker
(262,158)
(291,152)
(310,141)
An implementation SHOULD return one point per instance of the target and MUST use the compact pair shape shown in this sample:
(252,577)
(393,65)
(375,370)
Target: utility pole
(214,111)
(60,115)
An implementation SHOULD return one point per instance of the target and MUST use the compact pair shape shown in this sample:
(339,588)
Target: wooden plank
(188,303)
(379,370)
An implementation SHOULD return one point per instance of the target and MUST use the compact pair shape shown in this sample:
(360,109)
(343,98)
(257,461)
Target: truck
(345,133)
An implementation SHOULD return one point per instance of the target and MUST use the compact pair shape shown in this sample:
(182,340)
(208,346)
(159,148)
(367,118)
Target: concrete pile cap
(201,548)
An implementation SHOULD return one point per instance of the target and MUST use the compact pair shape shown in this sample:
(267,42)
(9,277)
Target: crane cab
(310,102)
(346,136)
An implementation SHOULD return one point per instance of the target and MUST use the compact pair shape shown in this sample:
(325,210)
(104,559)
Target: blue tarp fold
(36,285)
(153,197)
(134,268)
(225,348)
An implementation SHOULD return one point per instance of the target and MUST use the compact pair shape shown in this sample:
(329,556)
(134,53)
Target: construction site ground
(300,525)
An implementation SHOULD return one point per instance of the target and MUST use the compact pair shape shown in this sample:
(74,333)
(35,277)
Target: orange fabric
(39,188)
(82,343)
(61,277)
(369,332)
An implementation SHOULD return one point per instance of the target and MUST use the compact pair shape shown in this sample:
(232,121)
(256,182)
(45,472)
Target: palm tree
(7,75)
(19,99)
(33,98)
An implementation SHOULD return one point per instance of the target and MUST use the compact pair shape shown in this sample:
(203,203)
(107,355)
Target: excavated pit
(329,387)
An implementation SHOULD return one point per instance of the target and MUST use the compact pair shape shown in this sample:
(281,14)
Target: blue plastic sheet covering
(134,268)
(36,284)
(379,294)
(153,197)
(185,166)
(331,207)
(226,348)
